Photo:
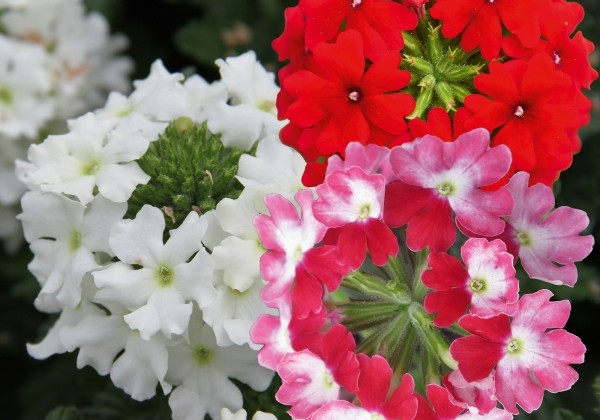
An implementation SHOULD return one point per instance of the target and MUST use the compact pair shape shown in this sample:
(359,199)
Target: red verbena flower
(345,102)
(380,22)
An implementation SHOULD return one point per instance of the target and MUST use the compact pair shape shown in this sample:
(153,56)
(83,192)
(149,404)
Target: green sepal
(434,43)
(412,44)
(417,64)
(445,95)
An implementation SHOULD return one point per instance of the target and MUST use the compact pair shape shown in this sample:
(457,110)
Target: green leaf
(65,413)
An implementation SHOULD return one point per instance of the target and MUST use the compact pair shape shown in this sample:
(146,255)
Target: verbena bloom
(437,179)
(487,284)
(530,354)
(352,201)
(548,241)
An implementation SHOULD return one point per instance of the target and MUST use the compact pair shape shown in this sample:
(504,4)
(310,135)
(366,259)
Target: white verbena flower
(161,291)
(251,92)
(64,250)
(201,370)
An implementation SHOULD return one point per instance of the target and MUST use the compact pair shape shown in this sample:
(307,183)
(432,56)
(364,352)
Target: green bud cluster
(441,71)
(384,309)
(189,169)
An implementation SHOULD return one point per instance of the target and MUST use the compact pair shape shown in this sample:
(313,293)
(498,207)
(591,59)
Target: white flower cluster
(56,62)
(140,305)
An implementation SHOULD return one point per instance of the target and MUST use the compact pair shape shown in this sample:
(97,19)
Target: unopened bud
(446,95)
(434,43)
(418,64)
(412,45)
(460,73)
(460,92)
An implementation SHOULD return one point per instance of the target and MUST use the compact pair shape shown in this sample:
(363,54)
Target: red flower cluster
(517,67)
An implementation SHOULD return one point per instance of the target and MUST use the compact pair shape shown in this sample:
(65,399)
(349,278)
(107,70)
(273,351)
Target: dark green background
(188,35)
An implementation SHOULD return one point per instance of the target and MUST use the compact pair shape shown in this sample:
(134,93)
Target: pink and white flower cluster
(327,248)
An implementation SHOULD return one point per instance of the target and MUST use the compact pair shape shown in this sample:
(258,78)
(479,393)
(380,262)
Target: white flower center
(164,275)
(6,96)
(202,355)
(556,58)
(75,241)
(355,3)
(90,168)
(519,111)
(354,96)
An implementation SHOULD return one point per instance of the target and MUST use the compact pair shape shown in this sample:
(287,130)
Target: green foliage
(230,27)
(190,169)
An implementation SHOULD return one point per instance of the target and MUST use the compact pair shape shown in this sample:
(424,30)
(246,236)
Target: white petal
(139,241)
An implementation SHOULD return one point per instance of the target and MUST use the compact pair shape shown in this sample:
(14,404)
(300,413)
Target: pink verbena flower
(294,269)
(285,334)
(372,158)
(310,380)
(444,407)
(547,240)
(352,200)
(438,178)
(373,390)
(478,394)
(528,358)
(488,283)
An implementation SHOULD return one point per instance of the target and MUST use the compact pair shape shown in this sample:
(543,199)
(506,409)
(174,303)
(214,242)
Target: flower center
(90,168)
(523,238)
(446,188)
(556,58)
(75,241)
(519,111)
(328,379)
(478,285)
(298,254)
(514,346)
(202,355)
(354,96)
(355,3)
(6,96)
(164,273)
(364,211)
